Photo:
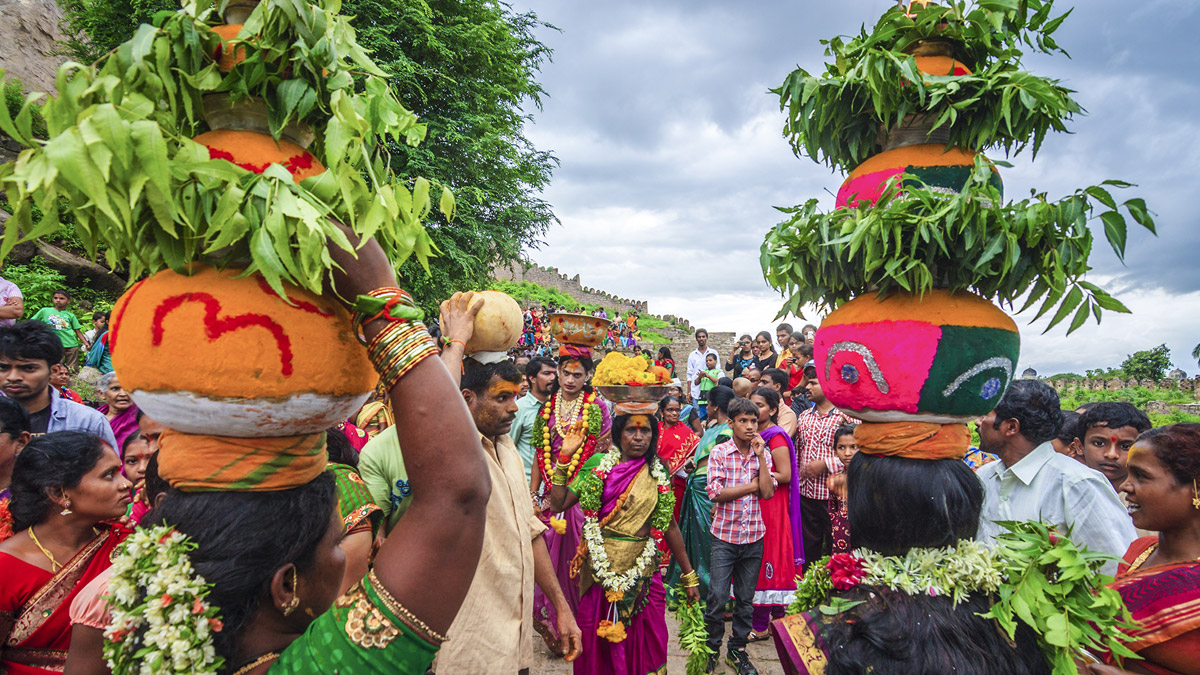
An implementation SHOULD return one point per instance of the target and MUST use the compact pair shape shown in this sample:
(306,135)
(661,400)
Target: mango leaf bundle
(957,234)
(1058,590)
(120,160)
(693,636)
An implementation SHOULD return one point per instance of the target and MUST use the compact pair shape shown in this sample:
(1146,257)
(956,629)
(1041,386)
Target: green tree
(1149,363)
(96,27)
(1196,354)
(469,69)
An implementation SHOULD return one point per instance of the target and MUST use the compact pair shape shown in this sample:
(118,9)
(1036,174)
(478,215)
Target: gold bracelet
(690,580)
(559,479)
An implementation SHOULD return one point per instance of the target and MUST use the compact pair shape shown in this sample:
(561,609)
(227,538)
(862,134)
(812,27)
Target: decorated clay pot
(240,134)
(215,354)
(498,324)
(578,329)
(929,165)
(230,53)
(944,358)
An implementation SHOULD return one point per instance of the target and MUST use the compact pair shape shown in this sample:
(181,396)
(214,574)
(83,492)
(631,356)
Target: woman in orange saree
(1159,578)
(65,485)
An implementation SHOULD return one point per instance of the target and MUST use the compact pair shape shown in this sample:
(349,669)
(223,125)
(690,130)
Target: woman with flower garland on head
(919,516)
(783,543)
(248,538)
(65,485)
(1160,576)
(573,404)
(696,512)
(627,503)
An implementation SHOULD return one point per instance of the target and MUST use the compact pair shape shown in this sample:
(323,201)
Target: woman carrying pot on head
(573,405)
(265,532)
(65,486)
(627,505)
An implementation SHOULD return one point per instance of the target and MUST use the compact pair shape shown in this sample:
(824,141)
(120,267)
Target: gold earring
(291,605)
(1195,496)
(66,508)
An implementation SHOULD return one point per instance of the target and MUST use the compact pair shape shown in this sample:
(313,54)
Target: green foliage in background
(1148,363)
(469,69)
(38,283)
(1138,396)
(15,99)
(96,27)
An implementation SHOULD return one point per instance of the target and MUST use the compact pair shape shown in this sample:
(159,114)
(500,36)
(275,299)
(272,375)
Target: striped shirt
(738,521)
(814,433)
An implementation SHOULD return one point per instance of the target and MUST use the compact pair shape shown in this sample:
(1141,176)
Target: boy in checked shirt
(739,475)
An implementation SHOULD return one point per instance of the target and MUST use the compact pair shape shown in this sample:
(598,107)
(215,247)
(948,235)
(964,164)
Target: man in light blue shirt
(1032,482)
(541,372)
(27,351)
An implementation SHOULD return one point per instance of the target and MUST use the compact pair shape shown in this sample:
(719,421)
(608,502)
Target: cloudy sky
(672,155)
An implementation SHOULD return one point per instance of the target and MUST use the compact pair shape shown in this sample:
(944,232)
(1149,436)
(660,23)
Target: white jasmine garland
(161,622)
(600,564)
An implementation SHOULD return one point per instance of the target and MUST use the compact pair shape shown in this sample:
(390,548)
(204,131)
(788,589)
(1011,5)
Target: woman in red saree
(1159,578)
(624,633)
(65,485)
(676,443)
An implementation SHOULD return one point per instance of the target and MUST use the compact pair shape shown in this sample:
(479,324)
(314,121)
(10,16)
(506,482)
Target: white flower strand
(177,622)
(623,581)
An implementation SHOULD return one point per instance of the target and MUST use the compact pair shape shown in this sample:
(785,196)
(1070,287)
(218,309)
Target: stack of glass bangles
(690,580)
(562,474)
(405,341)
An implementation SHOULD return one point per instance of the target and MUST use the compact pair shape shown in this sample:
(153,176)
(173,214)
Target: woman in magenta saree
(571,404)
(64,485)
(628,503)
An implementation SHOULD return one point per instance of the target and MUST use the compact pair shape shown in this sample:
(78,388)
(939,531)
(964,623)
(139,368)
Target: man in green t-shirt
(66,326)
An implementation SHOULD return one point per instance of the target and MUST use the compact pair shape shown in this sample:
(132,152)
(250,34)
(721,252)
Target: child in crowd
(1106,432)
(845,449)
(100,327)
(739,475)
(708,378)
(1066,443)
(66,326)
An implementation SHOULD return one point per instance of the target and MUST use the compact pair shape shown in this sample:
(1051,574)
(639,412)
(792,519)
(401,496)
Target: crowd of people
(597,519)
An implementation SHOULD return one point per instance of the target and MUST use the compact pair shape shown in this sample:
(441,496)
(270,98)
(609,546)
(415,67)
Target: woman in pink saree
(626,497)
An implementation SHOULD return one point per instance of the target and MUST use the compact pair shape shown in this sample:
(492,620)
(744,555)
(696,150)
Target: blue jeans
(735,565)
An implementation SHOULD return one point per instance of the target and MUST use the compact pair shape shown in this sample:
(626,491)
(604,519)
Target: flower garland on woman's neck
(584,408)
(590,489)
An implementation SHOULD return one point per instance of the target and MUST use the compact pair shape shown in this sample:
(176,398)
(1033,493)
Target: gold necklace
(269,656)
(54,566)
(564,419)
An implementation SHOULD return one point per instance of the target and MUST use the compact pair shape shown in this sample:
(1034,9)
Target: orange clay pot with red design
(213,353)
(240,134)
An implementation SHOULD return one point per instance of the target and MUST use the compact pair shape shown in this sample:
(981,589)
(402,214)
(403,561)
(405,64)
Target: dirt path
(761,653)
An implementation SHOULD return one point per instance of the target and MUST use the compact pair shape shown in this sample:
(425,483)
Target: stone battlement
(551,278)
